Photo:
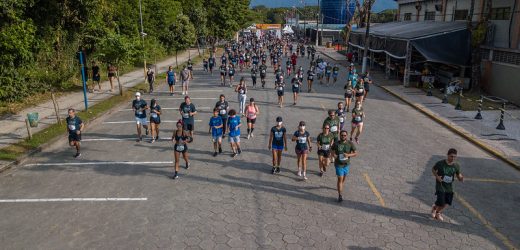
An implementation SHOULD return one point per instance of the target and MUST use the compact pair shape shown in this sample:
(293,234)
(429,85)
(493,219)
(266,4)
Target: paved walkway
(13,127)
(505,141)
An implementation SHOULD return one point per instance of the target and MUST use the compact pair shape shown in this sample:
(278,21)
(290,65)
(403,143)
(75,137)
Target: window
(429,15)
(407,16)
(500,13)
(461,15)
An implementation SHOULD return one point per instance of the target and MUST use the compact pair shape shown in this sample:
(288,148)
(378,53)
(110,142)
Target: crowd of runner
(336,144)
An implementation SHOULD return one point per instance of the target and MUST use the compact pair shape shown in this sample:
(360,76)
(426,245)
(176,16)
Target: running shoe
(175,176)
(188,165)
(438,216)
(146,132)
(139,139)
(220,150)
(77,155)
(234,155)
(152,141)
(215,154)
(357,140)
(252,135)
(248,136)
(321,174)
(340,198)
(239,151)
(299,173)
(273,170)
(278,170)
(434,211)
(304,177)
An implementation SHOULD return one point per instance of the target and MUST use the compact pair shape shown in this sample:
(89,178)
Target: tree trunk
(198,46)
(176,61)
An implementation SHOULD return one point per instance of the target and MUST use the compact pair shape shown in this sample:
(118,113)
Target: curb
(458,131)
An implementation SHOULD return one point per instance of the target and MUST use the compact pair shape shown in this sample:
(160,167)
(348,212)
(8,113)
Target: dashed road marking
(99,163)
(70,199)
(124,122)
(492,180)
(374,190)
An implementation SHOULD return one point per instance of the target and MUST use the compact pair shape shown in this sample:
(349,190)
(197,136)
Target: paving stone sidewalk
(13,127)
(505,141)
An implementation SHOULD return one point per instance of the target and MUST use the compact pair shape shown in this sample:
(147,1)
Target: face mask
(138,98)
(279,123)
(302,127)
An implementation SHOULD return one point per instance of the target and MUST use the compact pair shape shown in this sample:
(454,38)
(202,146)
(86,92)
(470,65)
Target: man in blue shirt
(74,127)
(139,106)
(234,132)
(215,128)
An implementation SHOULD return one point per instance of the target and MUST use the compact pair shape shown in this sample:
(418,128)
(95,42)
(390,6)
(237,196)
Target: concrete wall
(503,80)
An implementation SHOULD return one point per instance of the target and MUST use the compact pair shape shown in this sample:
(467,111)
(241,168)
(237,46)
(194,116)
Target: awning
(443,42)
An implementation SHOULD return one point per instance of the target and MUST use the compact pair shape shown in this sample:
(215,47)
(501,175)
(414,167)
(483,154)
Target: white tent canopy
(287,30)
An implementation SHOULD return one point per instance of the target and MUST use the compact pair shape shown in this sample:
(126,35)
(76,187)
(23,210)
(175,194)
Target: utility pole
(142,36)
(367,40)
(318,22)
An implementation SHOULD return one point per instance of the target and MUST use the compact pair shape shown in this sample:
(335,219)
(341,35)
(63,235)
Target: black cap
(278,119)
(252,99)
(302,123)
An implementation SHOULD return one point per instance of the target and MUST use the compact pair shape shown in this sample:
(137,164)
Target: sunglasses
(326,128)
(344,135)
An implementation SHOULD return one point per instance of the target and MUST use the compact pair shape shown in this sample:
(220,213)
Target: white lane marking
(164,109)
(123,122)
(100,163)
(117,139)
(192,98)
(195,90)
(71,199)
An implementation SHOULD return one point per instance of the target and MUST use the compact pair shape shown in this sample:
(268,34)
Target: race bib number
(325,147)
(222,111)
(296,85)
(180,148)
(154,115)
(334,128)
(242,91)
(349,91)
(278,135)
(447,179)
(280,88)
(357,118)
(302,139)
(139,112)
(342,157)
(360,90)
(185,115)
(72,127)
(341,119)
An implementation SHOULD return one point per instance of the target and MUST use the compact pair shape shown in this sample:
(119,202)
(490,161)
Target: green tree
(180,35)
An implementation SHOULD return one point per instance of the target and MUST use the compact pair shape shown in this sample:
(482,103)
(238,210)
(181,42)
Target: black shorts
(111,74)
(280,93)
(360,94)
(347,95)
(252,121)
(187,127)
(367,88)
(155,120)
(74,137)
(443,198)
(177,149)
(96,78)
(324,153)
(171,83)
(295,90)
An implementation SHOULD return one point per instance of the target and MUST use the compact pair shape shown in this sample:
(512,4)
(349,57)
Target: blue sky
(378,6)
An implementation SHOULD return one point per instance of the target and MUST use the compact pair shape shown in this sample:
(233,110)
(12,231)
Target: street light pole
(318,22)
(367,39)
(142,36)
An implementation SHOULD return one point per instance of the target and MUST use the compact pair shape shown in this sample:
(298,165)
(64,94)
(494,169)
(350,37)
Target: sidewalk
(13,127)
(505,142)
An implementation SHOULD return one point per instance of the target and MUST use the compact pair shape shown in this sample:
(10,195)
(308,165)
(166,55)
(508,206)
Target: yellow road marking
(486,223)
(374,190)
(492,180)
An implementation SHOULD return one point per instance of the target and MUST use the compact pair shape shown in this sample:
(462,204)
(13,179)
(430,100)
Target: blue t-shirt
(171,76)
(139,106)
(153,113)
(213,122)
(233,123)
(73,124)
(186,109)
(301,140)
(278,135)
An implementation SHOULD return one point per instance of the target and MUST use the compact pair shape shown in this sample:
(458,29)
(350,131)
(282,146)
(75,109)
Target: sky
(378,6)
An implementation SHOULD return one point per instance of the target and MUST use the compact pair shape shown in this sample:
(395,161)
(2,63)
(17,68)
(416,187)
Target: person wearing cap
(280,90)
(139,107)
(342,151)
(303,147)
(187,111)
(155,119)
(251,112)
(277,143)
(74,127)
(171,78)
(150,76)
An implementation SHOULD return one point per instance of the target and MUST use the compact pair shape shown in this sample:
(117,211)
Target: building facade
(501,52)
(334,11)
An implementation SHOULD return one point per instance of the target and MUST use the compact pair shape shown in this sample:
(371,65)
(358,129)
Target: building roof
(413,30)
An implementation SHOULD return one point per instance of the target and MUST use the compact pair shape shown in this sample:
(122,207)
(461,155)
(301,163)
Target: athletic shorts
(178,148)
(367,88)
(280,93)
(185,82)
(335,75)
(252,121)
(141,121)
(216,138)
(155,120)
(360,94)
(295,90)
(342,170)
(111,74)
(324,153)
(171,83)
(234,139)
(443,198)
(301,151)
(187,127)
(356,124)
(347,95)
(277,147)
(96,78)
(74,137)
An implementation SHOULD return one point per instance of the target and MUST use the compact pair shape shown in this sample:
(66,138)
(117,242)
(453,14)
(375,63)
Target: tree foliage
(39,39)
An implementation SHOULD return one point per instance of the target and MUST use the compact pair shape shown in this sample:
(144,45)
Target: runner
(241,89)
(180,146)
(211,63)
(187,111)
(231,73)
(112,72)
(296,86)
(368,81)
(277,143)
(328,71)
(360,90)
(302,51)
(300,74)
(341,114)
(74,127)
(185,77)
(254,72)
(324,141)
(348,94)
(150,77)
(342,152)
(223,59)
(335,72)
(357,121)
(294,58)
(171,78)
(96,76)
(234,132)
(444,172)
(222,106)
(155,119)
(205,64)
(280,87)
(288,67)
(216,125)
(251,112)
(310,78)
(263,73)
(333,122)
(139,107)
(190,68)
(223,74)
(303,147)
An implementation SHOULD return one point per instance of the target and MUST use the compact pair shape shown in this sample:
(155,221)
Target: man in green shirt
(444,172)
(342,151)
(333,122)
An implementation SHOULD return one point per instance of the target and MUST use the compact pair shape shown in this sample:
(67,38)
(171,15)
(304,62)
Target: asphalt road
(223,202)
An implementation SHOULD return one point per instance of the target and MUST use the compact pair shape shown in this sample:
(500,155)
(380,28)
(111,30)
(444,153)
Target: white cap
(137,94)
